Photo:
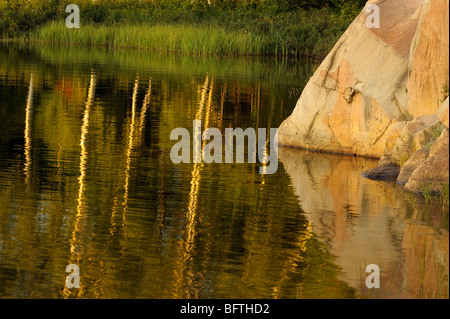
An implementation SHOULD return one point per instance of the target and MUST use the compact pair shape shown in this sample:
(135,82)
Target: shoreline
(189,39)
(21,41)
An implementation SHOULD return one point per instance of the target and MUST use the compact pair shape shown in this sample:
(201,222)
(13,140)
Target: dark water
(86,178)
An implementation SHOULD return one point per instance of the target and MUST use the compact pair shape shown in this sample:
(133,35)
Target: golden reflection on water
(188,243)
(76,246)
(131,141)
(142,226)
(292,262)
(28,124)
(144,110)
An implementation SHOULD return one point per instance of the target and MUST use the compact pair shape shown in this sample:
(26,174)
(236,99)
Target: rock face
(378,92)
(416,154)
(383,172)
(417,134)
(442,113)
(364,86)
(411,165)
(433,172)
(428,61)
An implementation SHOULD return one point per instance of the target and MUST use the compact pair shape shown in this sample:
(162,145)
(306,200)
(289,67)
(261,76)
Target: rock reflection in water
(364,222)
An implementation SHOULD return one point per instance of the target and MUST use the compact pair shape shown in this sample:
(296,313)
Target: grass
(444,197)
(170,38)
(440,199)
(425,189)
(430,207)
(412,199)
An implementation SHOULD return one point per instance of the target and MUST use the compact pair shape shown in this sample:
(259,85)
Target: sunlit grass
(440,199)
(170,38)
(444,197)
(425,189)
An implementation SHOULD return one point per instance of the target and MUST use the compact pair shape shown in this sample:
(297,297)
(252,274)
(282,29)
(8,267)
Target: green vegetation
(224,27)
(430,207)
(171,38)
(444,200)
(440,199)
(444,91)
(426,192)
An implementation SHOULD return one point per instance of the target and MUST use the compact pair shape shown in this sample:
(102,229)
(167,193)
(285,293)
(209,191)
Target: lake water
(86,178)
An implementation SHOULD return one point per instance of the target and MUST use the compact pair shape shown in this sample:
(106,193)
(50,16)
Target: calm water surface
(86,178)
